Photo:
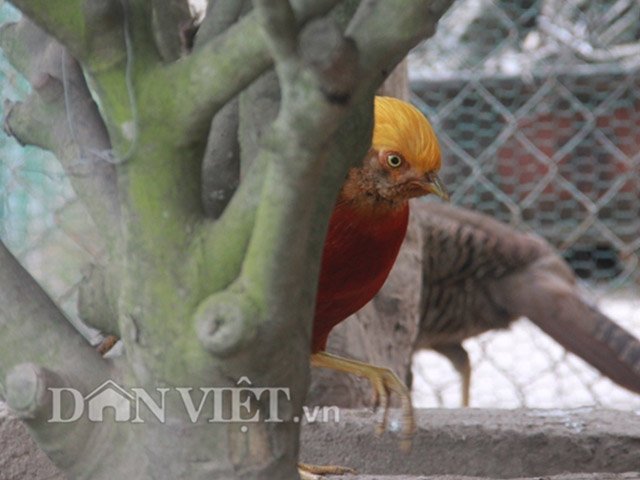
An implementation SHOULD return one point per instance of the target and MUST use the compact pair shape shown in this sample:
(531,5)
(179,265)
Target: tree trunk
(213,239)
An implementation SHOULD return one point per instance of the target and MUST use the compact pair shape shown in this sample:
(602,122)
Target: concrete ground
(20,459)
(470,444)
(485,444)
(577,476)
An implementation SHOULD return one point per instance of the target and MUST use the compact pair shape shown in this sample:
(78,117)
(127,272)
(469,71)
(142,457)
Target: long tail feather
(553,303)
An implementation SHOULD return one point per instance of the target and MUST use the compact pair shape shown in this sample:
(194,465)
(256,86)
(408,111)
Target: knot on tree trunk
(26,389)
(226,323)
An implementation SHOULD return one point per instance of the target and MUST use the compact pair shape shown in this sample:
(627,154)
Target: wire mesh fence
(537,106)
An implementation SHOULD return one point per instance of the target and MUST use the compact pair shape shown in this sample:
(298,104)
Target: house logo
(112,402)
(109,395)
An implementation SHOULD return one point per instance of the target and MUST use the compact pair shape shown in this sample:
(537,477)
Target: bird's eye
(394,160)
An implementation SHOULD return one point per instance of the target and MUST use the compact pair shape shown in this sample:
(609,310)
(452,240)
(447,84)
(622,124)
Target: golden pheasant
(366,229)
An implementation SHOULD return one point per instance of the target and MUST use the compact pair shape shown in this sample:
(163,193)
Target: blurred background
(537,107)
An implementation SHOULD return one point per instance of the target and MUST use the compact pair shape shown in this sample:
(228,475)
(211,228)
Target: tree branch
(281,33)
(60,115)
(96,301)
(33,329)
(294,155)
(83,26)
(170,19)
(99,34)
(73,446)
(63,20)
(220,15)
(397,83)
(221,162)
(385,31)
(223,258)
(224,66)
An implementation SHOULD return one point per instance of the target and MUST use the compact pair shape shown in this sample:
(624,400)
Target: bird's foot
(313,472)
(384,382)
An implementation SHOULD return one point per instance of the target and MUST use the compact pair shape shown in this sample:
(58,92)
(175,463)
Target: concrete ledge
(571,476)
(484,443)
(467,444)
(20,458)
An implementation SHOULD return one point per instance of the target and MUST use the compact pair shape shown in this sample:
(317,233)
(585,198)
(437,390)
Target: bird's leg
(383,381)
(459,358)
(313,472)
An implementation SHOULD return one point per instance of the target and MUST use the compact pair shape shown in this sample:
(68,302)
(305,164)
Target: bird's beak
(431,183)
(426,184)
(436,187)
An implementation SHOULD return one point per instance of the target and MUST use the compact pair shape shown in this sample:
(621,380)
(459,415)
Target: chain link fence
(537,105)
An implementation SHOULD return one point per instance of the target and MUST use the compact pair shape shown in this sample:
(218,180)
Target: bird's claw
(384,382)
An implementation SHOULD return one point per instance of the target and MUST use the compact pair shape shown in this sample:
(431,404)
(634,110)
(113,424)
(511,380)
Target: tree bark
(202,295)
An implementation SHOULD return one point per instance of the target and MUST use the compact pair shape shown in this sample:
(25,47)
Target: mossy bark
(200,297)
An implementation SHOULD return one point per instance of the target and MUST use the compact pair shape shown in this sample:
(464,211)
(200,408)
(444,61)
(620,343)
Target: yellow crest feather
(402,128)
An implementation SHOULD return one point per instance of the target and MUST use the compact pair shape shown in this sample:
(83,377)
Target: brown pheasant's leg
(313,472)
(459,358)
(383,381)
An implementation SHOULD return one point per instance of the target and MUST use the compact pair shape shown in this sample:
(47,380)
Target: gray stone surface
(570,476)
(467,444)
(20,458)
(484,443)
